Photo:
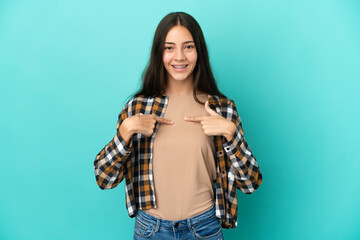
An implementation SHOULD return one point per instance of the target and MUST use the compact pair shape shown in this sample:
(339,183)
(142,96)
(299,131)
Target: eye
(168,48)
(189,47)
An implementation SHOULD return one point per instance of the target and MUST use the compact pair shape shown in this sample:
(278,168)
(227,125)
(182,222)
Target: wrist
(228,137)
(125,131)
(230,132)
(128,126)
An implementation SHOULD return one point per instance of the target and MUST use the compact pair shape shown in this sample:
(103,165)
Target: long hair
(154,75)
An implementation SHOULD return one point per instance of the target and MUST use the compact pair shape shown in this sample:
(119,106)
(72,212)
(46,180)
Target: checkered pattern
(236,166)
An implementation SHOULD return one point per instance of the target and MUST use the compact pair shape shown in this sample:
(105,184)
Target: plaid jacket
(236,166)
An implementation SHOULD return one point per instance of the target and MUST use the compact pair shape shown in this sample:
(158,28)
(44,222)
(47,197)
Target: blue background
(292,68)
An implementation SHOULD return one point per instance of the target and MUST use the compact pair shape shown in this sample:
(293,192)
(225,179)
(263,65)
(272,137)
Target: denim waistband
(180,224)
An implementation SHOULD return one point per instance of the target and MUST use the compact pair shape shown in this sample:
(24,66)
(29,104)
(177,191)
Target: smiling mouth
(180,66)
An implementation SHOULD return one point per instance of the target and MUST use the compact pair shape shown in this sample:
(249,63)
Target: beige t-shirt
(183,162)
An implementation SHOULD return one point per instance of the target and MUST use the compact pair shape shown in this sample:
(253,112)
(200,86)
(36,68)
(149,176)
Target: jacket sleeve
(109,164)
(248,176)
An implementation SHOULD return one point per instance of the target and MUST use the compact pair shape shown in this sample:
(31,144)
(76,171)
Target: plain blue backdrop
(292,68)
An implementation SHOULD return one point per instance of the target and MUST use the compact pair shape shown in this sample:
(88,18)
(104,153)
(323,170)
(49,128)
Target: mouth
(180,68)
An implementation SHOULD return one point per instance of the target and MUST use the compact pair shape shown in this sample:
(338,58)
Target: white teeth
(183,66)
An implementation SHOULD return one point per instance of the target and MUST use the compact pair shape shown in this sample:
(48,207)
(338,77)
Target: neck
(180,87)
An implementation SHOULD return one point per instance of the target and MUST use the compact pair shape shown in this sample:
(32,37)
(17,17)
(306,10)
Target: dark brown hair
(154,75)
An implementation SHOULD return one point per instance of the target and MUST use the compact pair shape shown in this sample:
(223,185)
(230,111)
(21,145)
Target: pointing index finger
(163,120)
(193,119)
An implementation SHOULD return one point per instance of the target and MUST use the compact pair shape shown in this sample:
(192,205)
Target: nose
(180,56)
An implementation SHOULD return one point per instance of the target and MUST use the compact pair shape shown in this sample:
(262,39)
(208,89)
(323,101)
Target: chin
(180,78)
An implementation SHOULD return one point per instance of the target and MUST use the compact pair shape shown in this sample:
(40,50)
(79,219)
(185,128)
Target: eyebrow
(174,43)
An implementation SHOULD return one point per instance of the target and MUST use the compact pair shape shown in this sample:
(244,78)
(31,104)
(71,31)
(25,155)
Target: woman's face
(179,54)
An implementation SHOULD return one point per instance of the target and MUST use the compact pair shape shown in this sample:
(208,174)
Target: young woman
(179,143)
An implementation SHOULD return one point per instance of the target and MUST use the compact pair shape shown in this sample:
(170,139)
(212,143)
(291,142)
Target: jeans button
(176,225)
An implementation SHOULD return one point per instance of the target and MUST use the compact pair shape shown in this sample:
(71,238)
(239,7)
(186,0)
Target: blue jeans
(203,226)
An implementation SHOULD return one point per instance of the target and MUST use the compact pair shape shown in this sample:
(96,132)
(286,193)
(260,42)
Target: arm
(247,172)
(109,163)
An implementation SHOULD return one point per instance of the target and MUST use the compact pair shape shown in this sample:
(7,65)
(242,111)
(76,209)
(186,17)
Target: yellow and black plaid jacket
(236,166)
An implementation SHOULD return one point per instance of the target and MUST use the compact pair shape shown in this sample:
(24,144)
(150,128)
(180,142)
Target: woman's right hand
(141,123)
(145,123)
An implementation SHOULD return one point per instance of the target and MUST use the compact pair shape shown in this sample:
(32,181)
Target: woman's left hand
(214,124)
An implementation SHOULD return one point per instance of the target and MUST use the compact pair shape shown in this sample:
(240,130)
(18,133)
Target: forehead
(178,34)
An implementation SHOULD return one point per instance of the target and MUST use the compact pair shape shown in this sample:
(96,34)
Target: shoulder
(221,101)
(224,106)
(136,103)
(139,99)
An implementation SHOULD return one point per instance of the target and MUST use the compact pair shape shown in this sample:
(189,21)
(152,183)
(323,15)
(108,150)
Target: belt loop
(157,227)
(189,223)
